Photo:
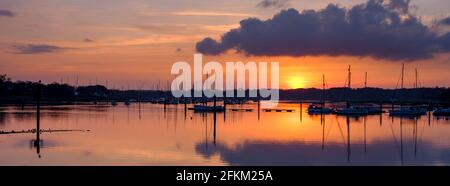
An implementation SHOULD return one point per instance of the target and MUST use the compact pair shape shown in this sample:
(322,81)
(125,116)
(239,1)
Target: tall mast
(416,85)
(365,81)
(76,85)
(349,76)
(403,71)
(323,88)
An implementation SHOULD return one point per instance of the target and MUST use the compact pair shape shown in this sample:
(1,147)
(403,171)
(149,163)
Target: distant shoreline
(26,93)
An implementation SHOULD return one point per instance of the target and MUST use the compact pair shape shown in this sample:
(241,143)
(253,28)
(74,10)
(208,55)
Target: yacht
(407,111)
(320,108)
(352,111)
(203,108)
(410,110)
(442,112)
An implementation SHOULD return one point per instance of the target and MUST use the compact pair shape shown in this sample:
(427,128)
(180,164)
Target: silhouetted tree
(4,81)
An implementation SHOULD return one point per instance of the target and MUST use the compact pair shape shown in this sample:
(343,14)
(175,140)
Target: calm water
(122,135)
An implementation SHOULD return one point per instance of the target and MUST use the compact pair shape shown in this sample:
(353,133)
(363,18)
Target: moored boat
(318,109)
(349,109)
(408,111)
(203,108)
(352,111)
(374,110)
(442,112)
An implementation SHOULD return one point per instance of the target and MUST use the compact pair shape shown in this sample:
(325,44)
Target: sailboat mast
(403,71)
(323,88)
(416,85)
(349,76)
(365,81)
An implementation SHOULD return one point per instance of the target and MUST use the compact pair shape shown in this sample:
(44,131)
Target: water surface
(127,135)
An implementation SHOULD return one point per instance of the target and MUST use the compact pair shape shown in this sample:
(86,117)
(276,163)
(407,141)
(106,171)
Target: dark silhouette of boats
(409,110)
(352,110)
(205,108)
(442,112)
(349,109)
(320,108)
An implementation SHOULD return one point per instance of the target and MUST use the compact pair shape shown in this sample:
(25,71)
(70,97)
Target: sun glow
(296,82)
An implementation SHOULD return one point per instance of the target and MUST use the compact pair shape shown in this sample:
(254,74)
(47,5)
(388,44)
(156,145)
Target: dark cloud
(36,49)
(272,3)
(88,40)
(445,21)
(6,13)
(379,29)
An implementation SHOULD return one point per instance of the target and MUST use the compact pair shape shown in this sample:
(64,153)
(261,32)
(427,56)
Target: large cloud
(379,29)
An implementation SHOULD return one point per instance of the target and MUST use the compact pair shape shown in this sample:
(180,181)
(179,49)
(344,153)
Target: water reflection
(146,134)
(303,153)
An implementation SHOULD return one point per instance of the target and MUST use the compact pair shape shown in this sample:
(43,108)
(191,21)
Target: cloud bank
(36,49)
(378,28)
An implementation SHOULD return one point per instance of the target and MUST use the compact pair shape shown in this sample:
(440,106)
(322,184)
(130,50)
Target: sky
(133,44)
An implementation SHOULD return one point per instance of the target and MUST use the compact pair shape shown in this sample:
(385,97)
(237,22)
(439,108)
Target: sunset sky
(133,44)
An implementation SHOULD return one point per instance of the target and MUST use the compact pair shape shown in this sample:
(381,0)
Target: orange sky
(133,44)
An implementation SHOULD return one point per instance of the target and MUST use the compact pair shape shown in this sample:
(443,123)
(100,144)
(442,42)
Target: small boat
(127,103)
(318,109)
(349,109)
(442,112)
(411,110)
(408,111)
(203,108)
(352,111)
(113,103)
(374,110)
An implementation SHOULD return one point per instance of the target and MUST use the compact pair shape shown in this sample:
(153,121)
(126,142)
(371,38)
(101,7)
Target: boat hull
(442,112)
(352,111)
(320,111)
(407,112)
(201,108)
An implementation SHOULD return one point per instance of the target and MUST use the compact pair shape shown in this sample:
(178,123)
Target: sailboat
(407,111)
(205,108)
(351,110)
(371,108)
(442,112)
(320,109)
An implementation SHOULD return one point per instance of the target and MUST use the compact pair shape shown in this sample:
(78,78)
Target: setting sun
(296,82)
